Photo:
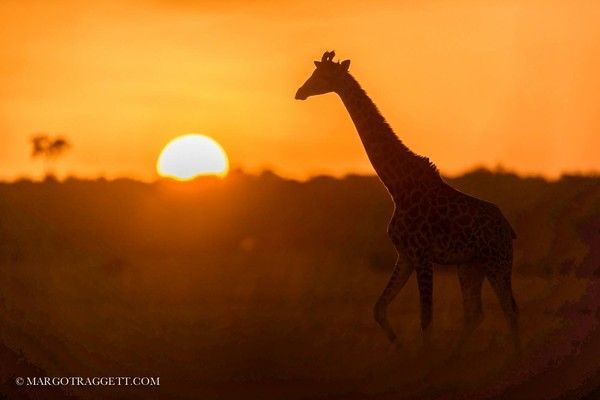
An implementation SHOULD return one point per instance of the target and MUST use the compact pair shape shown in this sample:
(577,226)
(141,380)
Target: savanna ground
(259,287)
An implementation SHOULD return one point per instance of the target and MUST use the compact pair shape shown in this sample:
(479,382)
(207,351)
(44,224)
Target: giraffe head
(326,78)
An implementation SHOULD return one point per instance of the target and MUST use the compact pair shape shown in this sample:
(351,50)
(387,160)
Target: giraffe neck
(396,165)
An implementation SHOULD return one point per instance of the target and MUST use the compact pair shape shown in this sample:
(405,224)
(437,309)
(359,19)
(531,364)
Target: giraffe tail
(513,234)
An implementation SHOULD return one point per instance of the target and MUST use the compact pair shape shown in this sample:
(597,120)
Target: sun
(189,156)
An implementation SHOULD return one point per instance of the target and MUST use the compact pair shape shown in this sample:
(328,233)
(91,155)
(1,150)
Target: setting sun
(189,156)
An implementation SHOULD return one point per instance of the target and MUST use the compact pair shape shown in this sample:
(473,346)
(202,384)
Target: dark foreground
(255,287)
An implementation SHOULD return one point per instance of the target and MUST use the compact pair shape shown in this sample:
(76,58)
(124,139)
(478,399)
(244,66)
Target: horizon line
(498,170)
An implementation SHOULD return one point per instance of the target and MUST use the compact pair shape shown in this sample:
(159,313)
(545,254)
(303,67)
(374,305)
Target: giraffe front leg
(425,282)
(400,275)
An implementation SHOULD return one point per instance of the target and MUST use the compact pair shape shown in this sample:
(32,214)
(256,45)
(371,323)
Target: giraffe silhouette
(432,223)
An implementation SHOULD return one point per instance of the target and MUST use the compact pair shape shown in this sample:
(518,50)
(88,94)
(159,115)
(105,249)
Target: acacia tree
(49,149)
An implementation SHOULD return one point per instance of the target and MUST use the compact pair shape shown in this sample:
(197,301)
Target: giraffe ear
(317,64)
(345,64)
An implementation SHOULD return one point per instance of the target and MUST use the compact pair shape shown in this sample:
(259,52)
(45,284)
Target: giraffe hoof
(396,347)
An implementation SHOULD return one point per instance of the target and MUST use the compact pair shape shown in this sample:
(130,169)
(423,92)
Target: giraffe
(432,222)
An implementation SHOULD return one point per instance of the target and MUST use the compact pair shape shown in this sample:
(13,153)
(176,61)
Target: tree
(49,149)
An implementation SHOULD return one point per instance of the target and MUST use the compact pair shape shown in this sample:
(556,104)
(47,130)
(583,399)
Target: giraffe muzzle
(300,95)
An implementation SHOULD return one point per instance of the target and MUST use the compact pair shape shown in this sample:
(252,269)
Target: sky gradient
(466,83)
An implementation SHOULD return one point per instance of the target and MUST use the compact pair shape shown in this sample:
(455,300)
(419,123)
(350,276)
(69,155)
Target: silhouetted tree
(48,148)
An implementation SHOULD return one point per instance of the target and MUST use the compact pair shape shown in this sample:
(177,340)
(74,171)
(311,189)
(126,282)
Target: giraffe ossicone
(432,223)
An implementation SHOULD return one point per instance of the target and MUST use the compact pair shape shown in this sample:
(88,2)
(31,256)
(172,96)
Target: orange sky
(466,83)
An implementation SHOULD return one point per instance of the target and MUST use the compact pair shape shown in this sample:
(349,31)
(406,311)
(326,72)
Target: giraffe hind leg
(471,278)
(500,281)
(400,275)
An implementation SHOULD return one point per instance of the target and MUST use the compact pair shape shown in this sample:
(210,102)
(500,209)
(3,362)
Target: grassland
(258,287)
